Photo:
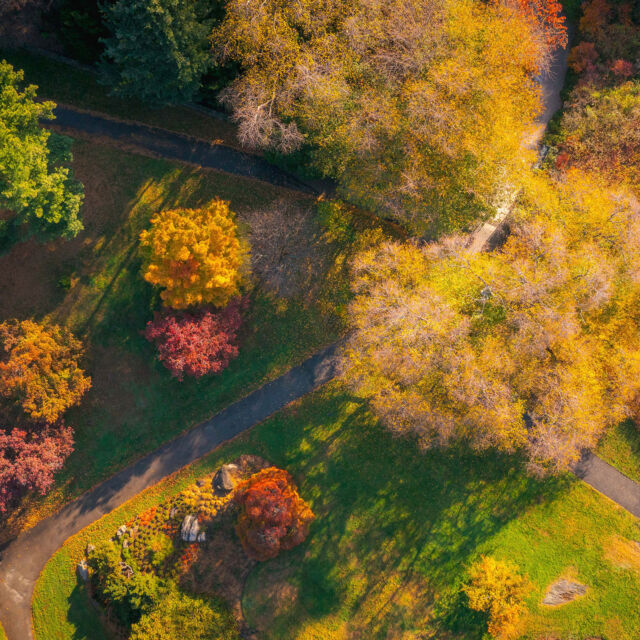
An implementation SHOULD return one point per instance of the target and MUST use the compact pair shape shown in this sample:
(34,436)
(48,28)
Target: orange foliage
(548,16)
(273,516)
(583,57)
(195,255)
(39,368)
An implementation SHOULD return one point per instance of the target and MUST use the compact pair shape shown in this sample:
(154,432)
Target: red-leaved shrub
(195,344)
(28,460)
(272,514)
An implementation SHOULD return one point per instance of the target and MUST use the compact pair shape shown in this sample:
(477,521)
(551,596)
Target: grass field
(394,535)
(70,85)
(94,286)
(621,448)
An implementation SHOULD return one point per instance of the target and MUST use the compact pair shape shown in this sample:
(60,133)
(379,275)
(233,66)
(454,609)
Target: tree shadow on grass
(84,615)
(396,529)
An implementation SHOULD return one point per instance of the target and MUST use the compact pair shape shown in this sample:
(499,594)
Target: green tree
(35,187)
(187,617)
(157,50)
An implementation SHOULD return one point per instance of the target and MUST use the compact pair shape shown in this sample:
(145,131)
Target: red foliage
(272,514)
(595,15)
(548,15)
(28,460)
(583,57)
(195,344)
(622,68)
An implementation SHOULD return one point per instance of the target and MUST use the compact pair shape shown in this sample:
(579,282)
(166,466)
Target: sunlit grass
(394,535)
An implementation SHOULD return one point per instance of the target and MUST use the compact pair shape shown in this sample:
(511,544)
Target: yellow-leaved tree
(195,255)
(532,347)
(39,368)
(417,107)
(496,588)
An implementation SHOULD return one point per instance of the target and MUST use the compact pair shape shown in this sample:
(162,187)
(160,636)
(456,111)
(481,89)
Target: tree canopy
(34,185)
(157,50)
(529,348)
(195,255)
(417,107)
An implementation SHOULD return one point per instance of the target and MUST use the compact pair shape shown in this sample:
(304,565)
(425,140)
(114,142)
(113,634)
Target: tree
(197,344)
(418,108)
(39,368)
(527,348)
(548,18)
(185,616)
(128,596)
(28,461)
(273,517)
(157,50)
(195,255)
(34,186)
(496,588)
(601,131)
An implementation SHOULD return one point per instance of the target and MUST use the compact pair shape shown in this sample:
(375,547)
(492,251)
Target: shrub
(187,617)
(273,516)
(128,597)
(39,368)
(496,588)
(195,255)
(196,344)
(28,461)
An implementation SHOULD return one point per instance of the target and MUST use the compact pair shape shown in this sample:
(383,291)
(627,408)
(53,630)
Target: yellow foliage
(195,255)
(496,588)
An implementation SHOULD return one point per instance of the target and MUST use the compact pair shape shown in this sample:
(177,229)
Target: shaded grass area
(395,533)
(67,84)
(620,447)
(93,285)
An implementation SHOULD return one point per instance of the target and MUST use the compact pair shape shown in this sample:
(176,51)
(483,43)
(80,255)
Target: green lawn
(70,85)
(621,448)
(93,285)
(394,535)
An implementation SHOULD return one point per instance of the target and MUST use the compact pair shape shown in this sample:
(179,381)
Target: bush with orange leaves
(496,588)
(195,255)
(39,368)
(273,517)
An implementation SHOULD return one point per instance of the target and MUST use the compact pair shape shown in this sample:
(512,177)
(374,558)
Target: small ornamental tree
(496,588)
(195,255)
(196,344)
(273,517)
(28,461)
(39,368)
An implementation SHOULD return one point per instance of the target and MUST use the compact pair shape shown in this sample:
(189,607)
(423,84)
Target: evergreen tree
(157,51)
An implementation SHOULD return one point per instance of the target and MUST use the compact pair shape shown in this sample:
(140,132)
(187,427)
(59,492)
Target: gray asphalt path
(610,482)
(22,560)
(175,146)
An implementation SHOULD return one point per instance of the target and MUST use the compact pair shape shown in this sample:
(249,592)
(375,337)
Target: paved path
(610,482)
(22,560)
(175,146)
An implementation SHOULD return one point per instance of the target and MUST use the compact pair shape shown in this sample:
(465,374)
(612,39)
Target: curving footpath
(175,146)
(22,560)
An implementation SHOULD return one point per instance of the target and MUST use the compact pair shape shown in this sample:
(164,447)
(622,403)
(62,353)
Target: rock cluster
(563,591)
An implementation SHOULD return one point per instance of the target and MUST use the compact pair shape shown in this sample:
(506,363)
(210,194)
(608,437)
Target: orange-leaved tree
(195,255)
(39,368)
(273,516)
(496,588)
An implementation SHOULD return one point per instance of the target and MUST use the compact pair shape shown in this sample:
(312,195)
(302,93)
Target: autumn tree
(35,185)
(39,368)
(417,108)
(29,460)
(496,588)
(194,255)
(157,50)
(547,17)
(519,349)
(197,344)
(273,517)
(185,616)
